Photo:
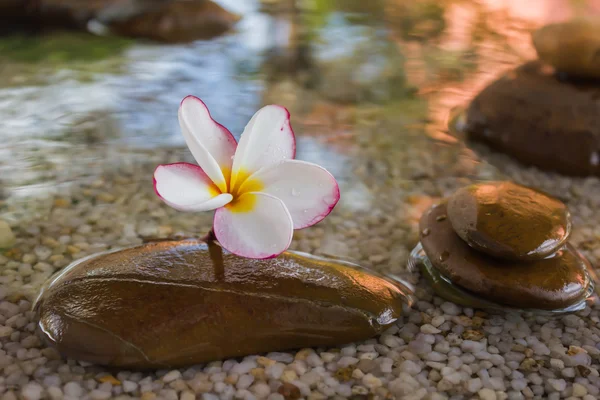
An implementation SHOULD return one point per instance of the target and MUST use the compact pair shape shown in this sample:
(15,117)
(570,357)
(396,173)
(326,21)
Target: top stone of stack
(571,47)
(509,221)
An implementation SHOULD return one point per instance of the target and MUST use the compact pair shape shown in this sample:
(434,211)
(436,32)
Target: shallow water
(64,92)
(370,86)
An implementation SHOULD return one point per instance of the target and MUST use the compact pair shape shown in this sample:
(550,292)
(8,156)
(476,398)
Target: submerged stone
(540,120)
(168,304)
(7,237)
(163,20)
(509,221)
(548,284)
(179,21)
(571,47)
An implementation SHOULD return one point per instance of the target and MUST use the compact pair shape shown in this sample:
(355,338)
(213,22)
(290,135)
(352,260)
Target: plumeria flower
(260,193)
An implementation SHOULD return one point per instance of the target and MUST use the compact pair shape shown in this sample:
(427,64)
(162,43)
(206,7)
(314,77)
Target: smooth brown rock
(162,20)
(572,47)
(548,284)
(166,304)
(179,21)
(509,221)
(539,120)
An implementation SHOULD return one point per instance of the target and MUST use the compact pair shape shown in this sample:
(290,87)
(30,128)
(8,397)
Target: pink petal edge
(288,120)
(194,167)
(223,129)
(336,194)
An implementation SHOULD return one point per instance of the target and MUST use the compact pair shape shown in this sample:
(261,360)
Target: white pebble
(99,395)
(450,308)
(244,367)
(518,384)
(487,394)
(129,386)
(474,385)
(428,328)
(171,376)
(55,393)
(579,390)
(276,370)
(187,395)
(260,389)
(281,357)
(557,364)
(244,381)
(371,381)
(347,361)
(471,346)
(438,320)
(73,389)
(558,384)
(32,391)
(410,367)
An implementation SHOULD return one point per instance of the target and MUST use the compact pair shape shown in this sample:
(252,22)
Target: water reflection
(363,82)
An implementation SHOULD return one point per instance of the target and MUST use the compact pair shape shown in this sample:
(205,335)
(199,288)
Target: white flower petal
(267,139)
(257,225)
(308,191)
(186,187)
(212,145)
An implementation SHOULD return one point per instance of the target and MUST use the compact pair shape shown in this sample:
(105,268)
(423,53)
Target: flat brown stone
(547,284)
(572,47)
(166,304)
(179,21)
(162,20)
(509,221)
(540,120)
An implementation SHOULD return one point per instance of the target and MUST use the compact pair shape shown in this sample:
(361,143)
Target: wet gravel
(437,350)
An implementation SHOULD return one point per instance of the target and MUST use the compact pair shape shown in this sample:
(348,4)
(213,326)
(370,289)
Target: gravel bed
(437,350)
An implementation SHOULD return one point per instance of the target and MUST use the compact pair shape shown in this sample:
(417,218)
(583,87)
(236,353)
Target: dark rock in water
(179,21)
(509,221)
(571,47)
(170,304)
(164,20)
(533,116)
(548,284)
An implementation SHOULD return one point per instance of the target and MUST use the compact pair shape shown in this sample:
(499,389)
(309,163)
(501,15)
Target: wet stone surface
(162,20)
(169,304)
(509,221)
(547,284)
(571,47)
(528,114)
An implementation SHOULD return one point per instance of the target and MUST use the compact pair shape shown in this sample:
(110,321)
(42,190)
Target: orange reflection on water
(495,35)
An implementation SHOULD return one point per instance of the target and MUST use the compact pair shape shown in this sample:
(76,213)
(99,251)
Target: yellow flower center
(239,189)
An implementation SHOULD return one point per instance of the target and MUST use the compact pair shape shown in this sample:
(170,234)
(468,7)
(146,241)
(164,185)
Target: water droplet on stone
(441,218)
(426,232)
(444,256)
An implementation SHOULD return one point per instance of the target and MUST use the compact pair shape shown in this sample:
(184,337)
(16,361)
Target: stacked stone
(573,47)
(507,244)
(545,113)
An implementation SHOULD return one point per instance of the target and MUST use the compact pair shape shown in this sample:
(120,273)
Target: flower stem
(210,237)
(216,255)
